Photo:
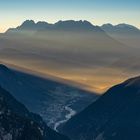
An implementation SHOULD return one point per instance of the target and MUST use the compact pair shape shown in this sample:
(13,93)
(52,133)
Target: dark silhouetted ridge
(114,116)
(69,25)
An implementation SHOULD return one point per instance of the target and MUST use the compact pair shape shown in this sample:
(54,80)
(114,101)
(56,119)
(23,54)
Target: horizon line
(36,21)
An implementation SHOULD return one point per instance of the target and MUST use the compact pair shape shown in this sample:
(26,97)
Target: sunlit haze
(92,61)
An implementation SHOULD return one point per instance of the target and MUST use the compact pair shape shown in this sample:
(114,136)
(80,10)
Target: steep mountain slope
(114,116)
(52,100)
(17,123)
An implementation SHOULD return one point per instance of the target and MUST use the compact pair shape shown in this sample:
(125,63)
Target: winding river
(67,117)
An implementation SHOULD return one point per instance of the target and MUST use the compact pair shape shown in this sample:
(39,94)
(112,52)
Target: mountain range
(121,29)
(124,33)
(114,116)
(69,25)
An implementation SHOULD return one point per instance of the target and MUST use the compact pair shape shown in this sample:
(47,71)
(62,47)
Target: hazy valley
(63,72)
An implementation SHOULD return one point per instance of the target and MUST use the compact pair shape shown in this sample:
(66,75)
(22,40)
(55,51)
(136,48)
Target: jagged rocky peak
(81,25)
(74,24)
(28,23)
(67,25)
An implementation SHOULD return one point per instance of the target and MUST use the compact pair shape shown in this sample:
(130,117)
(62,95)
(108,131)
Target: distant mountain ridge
(114,116)
(124,33)
(72,25)
(120,29)
(69,25)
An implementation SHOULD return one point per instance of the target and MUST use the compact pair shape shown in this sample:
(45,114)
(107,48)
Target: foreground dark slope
(17,123)
(44,96)
(115,116)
